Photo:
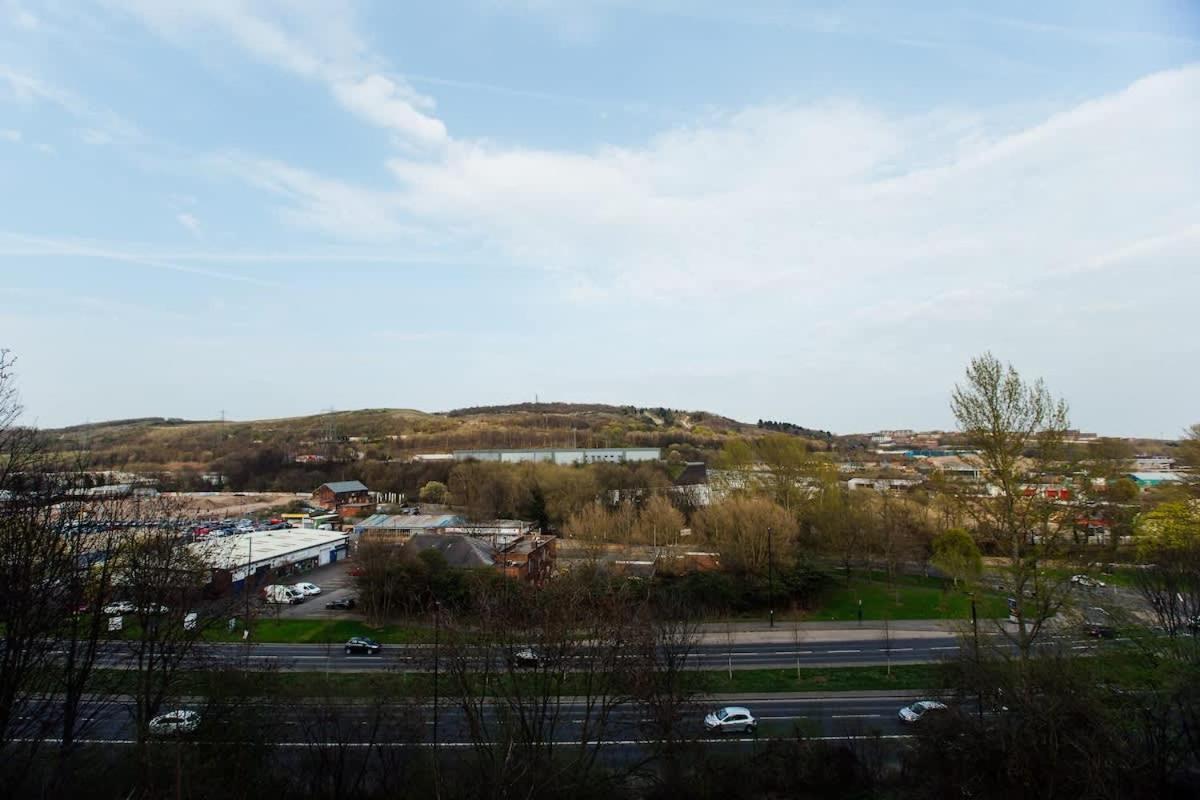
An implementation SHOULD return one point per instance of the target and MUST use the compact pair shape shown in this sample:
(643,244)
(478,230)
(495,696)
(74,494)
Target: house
(529,558)
(348,498)
(963,467)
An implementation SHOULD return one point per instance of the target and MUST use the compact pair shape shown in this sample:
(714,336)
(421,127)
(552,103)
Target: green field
(324,631)
(912,597)
(904,677)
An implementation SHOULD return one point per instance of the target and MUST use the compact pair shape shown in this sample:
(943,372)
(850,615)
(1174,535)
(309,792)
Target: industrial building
(280,552)
(566,455)
(403,526)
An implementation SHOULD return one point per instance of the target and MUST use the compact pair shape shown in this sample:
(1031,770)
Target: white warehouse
(565,455)
(282,551)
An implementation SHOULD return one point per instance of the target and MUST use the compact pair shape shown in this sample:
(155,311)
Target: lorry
(278,593)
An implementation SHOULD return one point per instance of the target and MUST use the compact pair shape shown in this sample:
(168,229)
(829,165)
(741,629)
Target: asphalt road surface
(418,658)
(360,724)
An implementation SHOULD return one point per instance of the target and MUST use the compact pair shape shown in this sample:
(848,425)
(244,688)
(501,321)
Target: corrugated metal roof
(405,522)
(342,487)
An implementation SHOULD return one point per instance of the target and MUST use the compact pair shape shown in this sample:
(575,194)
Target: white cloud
(309,39)
(189,221)
(826,199)
(10,135)
(102,123)
(321,204)
(389,104)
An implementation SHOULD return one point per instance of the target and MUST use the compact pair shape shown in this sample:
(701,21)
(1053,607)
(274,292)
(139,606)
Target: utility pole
(771,575)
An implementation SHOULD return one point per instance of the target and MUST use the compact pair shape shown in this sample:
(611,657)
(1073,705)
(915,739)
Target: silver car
(175,722)
(919,709)
(735,719)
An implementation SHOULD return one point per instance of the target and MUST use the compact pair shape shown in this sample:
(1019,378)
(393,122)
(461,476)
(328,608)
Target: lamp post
(975,630)
(437,629)
(770,577)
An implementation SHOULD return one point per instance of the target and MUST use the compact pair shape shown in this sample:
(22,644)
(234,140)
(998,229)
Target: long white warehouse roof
(230,552)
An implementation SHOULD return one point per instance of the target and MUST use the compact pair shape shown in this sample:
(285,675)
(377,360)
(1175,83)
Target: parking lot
(335,582)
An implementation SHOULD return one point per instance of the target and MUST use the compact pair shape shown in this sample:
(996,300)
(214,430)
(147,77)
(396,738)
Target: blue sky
(815,212)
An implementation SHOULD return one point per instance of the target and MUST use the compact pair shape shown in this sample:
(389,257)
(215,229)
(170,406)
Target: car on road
(119,607)
(525,657)
(917,711)
(341,604)
(362,646)
(357,572)
(1098,623)
(1087,582)
(731,719)
(307,589)
(174,723)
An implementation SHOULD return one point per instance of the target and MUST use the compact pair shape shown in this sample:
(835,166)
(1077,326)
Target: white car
(734,719)
(307,589)
(1087,582)
(919,709)
(175,722)
(119,607)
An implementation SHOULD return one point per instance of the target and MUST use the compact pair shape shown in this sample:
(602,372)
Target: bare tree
(543,679)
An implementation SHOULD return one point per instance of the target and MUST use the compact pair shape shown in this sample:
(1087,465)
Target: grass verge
(910,597)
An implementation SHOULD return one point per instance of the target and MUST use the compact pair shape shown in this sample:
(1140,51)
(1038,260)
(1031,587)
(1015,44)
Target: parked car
(731,719)
(307,589)
(119,607)
(917,711)
(175,722)
(1087,582)
(341,604)
(357,572)
(525,657)
(361,645)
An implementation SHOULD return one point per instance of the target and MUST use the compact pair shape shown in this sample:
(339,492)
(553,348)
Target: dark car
(341,604)
(362,646)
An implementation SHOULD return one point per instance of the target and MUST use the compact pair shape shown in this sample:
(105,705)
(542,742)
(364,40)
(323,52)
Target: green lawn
(420,684)
(913,597)
(816,679)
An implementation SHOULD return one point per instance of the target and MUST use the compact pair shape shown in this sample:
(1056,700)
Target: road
(834,715)
(706,656)
(332,657)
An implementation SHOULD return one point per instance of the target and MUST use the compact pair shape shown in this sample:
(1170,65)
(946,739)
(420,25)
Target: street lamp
(437,628)
(975,629)
(770,576)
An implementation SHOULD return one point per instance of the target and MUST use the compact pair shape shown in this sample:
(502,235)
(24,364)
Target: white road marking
(951,647)
(839,652)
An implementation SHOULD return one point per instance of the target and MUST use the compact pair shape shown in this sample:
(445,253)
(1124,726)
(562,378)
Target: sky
(811,212)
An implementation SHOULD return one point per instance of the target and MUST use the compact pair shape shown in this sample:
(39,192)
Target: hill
(389,434)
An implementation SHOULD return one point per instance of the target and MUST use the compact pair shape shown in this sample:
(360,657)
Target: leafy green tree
(956,554)
(434,492)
